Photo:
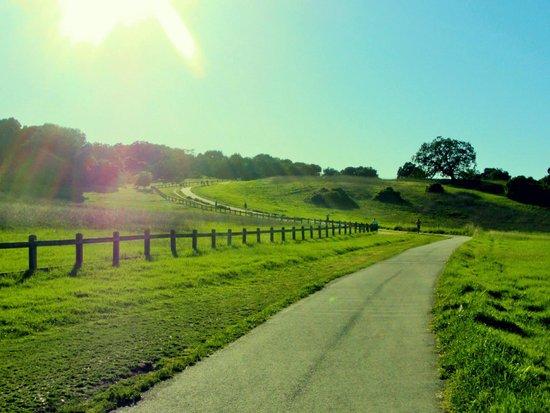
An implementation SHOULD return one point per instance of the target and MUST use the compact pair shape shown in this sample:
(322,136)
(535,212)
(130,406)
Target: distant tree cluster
(457,160)
(364,171)
(57,162)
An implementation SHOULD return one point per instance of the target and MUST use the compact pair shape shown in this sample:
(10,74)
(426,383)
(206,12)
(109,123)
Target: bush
(333,198)
(390,196)
(410,170)
(435,188)
(479,185)
(528,191)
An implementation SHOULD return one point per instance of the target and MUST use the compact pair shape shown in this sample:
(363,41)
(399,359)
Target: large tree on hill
(446,156)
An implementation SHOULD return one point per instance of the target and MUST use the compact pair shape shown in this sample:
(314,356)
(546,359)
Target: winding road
(361,344)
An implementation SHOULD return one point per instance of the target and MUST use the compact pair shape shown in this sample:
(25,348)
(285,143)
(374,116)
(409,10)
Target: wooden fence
(224,209)
(300,233)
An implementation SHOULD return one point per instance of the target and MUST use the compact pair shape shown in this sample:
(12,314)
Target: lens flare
(92,21)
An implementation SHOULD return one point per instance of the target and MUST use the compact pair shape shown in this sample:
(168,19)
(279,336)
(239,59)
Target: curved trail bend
(362,344)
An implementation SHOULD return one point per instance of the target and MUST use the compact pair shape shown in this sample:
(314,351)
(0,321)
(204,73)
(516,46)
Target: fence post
(173,243)
(229,236)
(79,251)
(311,231)
(283,234)
(116,249)
(147,244)
(244,235)
(333,229)
(194,243)
(339,228)
(326,230)
(303,233)
(271,235)
(258,235)
(319,230)
(32,254)
(355,227)
(293,233)
(214,239)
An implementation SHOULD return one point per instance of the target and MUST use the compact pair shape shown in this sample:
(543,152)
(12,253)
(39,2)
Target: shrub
(435,188)
(389,195)
(528,191)
(333,198)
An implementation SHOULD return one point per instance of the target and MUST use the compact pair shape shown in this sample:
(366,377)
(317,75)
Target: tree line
(58,162)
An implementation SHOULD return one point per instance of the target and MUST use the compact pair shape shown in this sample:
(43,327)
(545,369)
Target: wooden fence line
(79,241)
(228,210)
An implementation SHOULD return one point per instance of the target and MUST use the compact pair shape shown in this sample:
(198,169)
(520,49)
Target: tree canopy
(410,170)
(57,162)
(446,156)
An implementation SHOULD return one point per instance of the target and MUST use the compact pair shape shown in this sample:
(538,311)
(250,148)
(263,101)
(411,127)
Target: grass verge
(97,340)
(492,321)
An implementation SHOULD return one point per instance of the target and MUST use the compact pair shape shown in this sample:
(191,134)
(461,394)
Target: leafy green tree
(446,156)
(410,170)
(365,171)
(495,174)
(143,179)
(330,172)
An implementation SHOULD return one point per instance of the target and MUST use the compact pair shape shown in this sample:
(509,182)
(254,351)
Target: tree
(330,172)
(495,174)
(410,170)
(446,156)
(528,191)
(365,171)
(143,179)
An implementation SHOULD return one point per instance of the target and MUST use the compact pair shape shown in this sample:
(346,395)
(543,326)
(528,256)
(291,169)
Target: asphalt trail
(362,344)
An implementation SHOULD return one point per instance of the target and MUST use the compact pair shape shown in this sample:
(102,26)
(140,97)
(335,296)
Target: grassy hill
(455,209)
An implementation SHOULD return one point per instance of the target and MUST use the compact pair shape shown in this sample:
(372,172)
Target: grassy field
(128,211)
(492,320)
(457,210)
(96,340)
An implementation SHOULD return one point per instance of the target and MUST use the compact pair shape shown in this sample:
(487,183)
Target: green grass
(96,340)
(127,210)
(457,210)
(492,320)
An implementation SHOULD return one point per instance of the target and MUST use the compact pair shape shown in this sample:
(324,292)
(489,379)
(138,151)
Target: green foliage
(492,313)
(330,172)
(410,170)
(390,196)
(435,188)
(457,210)
(50,161)
(94,341)
(365,171)
(446,156)
(333,198)
(144,179)
(495,174)
(528,191)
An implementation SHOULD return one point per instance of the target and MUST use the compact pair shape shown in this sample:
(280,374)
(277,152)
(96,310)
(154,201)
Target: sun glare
(93,20)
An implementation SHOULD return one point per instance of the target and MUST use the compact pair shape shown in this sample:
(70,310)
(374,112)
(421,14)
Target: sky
(332,82)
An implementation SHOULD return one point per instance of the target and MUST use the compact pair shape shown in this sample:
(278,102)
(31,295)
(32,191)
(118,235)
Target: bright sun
(93,20)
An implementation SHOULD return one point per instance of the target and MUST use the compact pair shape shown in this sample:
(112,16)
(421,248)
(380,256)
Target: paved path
(362,344)
(187,191)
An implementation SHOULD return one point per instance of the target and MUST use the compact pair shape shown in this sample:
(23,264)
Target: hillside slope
(455,209)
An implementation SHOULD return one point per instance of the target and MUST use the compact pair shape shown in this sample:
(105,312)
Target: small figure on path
(418,223)
(245,205)
(374,225)
(215,204)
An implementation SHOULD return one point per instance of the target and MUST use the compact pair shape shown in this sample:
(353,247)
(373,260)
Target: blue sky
(332,82)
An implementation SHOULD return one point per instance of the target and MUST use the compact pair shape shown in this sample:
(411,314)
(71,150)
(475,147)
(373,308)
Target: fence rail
(245,235)
(224,209)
